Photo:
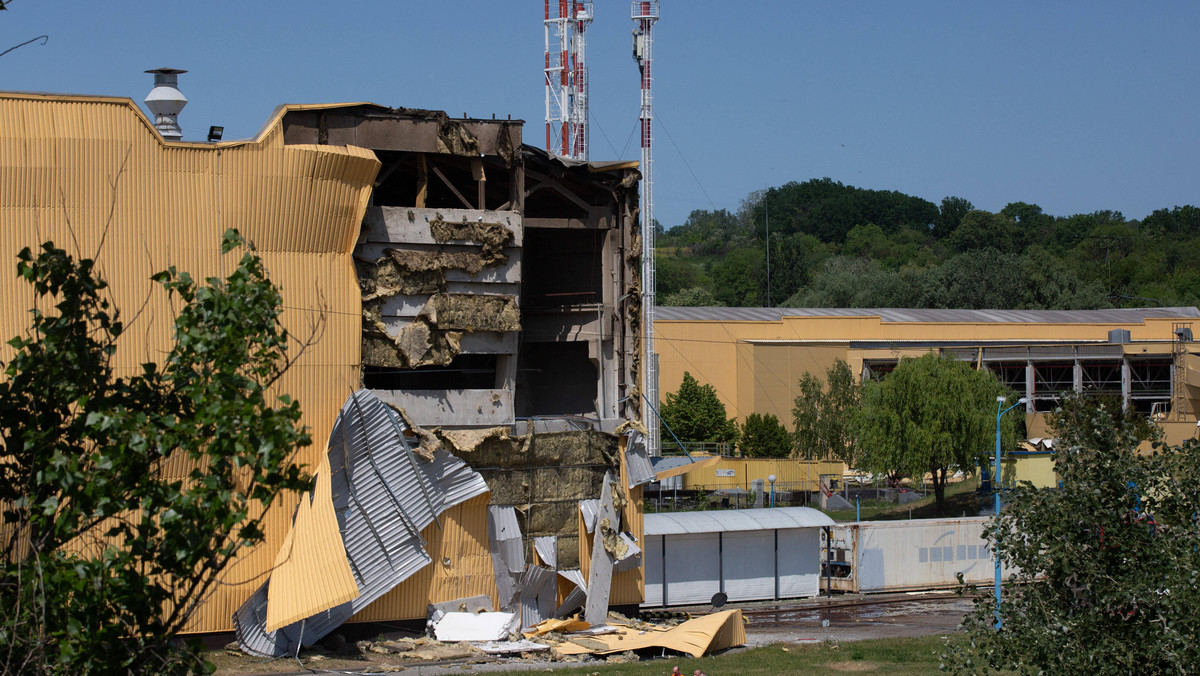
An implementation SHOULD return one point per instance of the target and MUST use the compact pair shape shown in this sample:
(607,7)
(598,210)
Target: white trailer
(884,556)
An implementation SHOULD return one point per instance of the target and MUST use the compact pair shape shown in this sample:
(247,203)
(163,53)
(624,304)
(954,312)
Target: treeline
(834,245)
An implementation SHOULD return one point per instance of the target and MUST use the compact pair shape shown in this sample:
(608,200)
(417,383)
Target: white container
(911,555)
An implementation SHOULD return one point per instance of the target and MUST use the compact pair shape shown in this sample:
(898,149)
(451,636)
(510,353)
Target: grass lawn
(895,657)
(961,499)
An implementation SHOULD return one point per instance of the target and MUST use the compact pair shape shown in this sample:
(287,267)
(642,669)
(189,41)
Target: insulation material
(539,592)
(473,312)
(626,551)
(453,138)
(509,647)
(491,236)
(698,637)
(383,497)
(434,337)
(557,625)
(508,555)
(394,276)
(313,543)
(473,627)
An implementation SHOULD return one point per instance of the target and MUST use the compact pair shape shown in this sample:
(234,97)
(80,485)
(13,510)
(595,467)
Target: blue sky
(1073,106)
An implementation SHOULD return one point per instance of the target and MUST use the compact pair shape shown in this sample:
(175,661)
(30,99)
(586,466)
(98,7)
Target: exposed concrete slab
(411,224)
(462,408)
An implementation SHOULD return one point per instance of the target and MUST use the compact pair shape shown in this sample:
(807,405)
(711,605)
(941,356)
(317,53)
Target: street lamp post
(771,478)
(996,491)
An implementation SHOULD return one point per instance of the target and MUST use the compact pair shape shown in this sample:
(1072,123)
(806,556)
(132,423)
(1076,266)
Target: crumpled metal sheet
(539,591)
(547,550)
(637,459)
(591,511)
(508,554)
(383,497)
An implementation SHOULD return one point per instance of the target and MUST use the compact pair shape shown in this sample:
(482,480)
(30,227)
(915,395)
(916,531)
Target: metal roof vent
(165,102)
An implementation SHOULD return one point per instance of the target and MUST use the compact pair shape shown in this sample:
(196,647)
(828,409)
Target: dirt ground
(840,619)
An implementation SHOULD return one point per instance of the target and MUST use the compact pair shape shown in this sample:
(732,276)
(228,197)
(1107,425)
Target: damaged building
(482,291)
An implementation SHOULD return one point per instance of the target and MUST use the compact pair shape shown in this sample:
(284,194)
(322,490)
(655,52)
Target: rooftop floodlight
(214,133)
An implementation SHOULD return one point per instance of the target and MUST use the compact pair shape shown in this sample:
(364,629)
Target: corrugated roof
(728,520)
(754,314)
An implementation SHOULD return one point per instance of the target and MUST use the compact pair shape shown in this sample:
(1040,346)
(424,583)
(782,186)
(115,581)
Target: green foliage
(1106,567)
(695,296)
(674,274)
(931,414)
(740,278)
(695,413)
(911,253)
(126,495)
(822,414)
(858,282)
(763,436)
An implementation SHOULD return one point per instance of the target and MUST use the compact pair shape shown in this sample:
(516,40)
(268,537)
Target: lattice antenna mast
(566,23)
(645,14)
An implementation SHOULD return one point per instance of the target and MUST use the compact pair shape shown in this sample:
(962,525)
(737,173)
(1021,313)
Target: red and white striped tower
(566,23)
(645,14)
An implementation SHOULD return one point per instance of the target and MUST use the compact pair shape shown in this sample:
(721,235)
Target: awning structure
(665,468)
(357,535)
(732,520)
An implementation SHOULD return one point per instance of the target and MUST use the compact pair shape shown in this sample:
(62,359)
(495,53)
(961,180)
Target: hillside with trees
(835,245)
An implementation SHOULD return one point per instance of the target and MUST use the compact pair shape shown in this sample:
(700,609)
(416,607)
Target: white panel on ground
(749,565)
(692,567)
(799,562)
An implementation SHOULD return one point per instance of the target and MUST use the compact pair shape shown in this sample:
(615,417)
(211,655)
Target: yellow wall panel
(92,174)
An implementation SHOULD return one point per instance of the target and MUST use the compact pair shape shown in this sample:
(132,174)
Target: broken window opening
(1011,374)
(449,182)
(1101,379)
(562,267)
(464,372)
(1150,385)
(1050,381)
(877,370)
(555,379)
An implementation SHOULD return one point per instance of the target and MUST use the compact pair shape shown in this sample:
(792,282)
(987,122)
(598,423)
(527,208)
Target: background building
(754,357)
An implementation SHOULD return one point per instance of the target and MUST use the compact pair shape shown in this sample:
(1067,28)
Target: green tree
(125,497)
(932,414)
(740,278)
(950,215)
(858,283)
(696,296)
(1104,569)
(822,413)
(695,413)
(763,436)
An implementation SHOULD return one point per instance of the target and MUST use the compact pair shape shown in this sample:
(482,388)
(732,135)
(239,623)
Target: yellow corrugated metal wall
(789,473)
(462,566)
(67,163)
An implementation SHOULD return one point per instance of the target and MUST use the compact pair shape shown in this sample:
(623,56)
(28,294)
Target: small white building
(749,554)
